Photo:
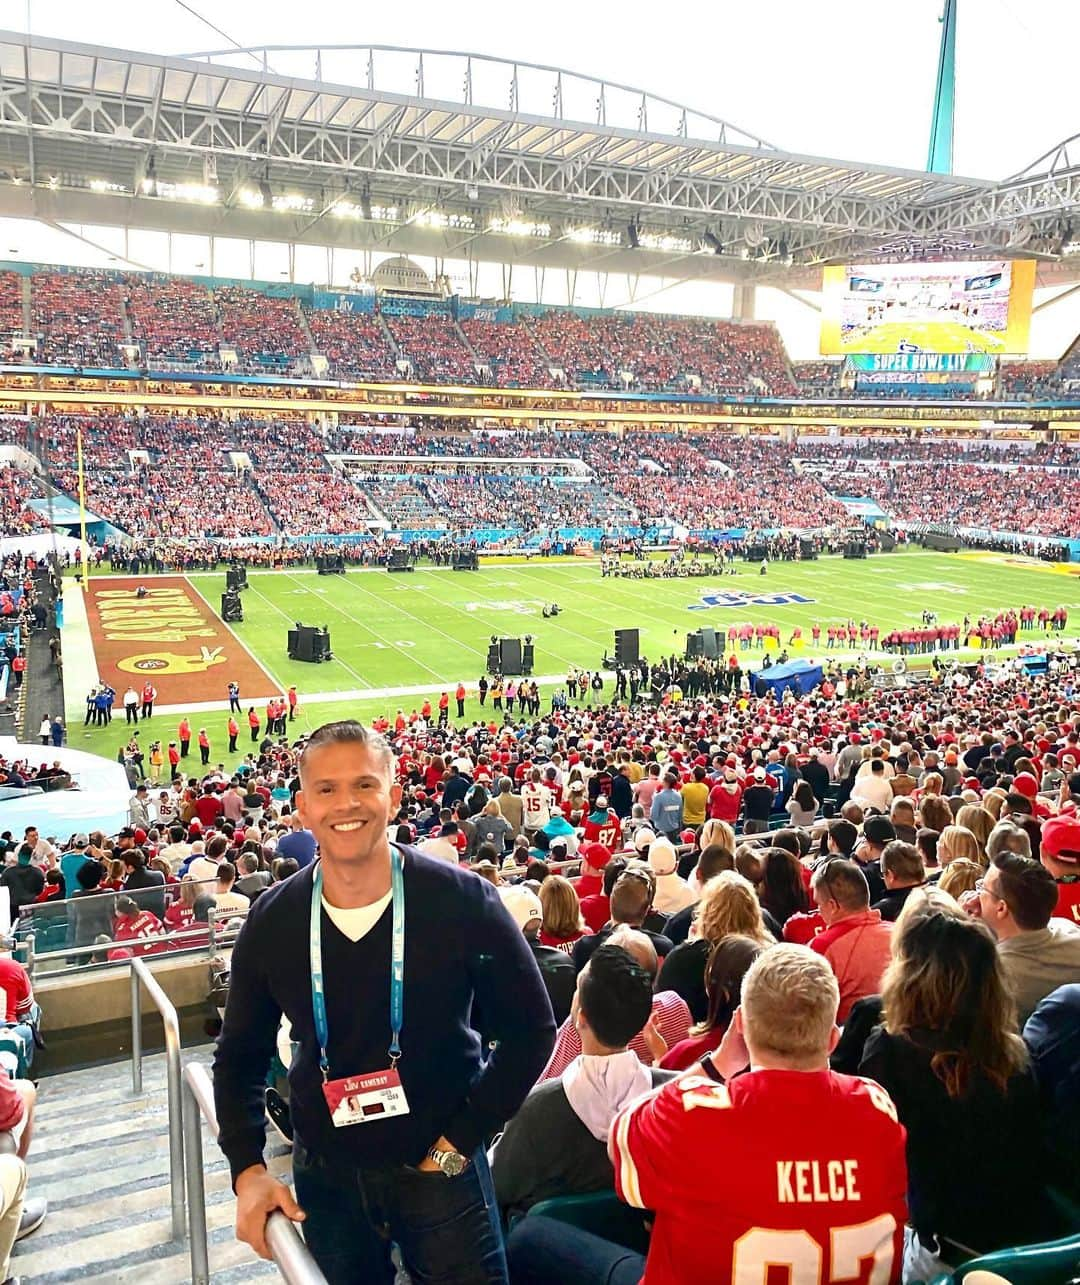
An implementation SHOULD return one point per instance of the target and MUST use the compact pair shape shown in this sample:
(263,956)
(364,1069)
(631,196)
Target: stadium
(374,532)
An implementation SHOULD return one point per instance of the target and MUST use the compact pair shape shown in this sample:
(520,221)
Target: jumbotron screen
(928,307)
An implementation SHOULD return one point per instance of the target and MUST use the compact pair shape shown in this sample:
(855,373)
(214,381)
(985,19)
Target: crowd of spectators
(911,859)
(510,350)
(637,479)
(1029,501)
(314,502)
(174,319)
(265,330)
(78,318)
(11,306)
(434,348)
(353,343)
(817,378)
(16,488)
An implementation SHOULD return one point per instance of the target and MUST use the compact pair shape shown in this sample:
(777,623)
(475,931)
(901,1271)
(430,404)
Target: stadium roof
(568,172)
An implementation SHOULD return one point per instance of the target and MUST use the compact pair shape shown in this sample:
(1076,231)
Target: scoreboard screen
(928,307)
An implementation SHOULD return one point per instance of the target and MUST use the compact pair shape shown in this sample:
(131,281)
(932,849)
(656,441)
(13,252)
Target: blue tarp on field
(778,678)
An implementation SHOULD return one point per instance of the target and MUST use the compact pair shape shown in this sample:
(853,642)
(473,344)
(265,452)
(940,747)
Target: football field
(398,638)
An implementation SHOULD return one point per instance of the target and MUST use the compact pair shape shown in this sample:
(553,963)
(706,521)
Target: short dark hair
(134,857)
(1017,802)
(226,872)
(612,870)
(844,835)
(176,833)
(631,898)
(89,875)
(844,882)
(902,861)
(347,731)
(615,994)
(714,859)
(1027,888)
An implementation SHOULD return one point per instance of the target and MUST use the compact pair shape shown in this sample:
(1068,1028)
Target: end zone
(170,636)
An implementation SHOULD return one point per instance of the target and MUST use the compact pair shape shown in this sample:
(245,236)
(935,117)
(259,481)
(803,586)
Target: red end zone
(170,636)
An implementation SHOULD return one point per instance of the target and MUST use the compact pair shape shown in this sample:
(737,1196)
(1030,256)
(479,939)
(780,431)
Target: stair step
(100,1156)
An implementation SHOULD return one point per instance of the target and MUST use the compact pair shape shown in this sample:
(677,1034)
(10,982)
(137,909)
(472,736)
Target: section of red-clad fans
(175,321)
(78,318)
(433,347)
(354,344)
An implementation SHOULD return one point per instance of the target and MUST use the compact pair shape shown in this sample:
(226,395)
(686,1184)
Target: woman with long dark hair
(949,1056)
(728,963)
(783,888)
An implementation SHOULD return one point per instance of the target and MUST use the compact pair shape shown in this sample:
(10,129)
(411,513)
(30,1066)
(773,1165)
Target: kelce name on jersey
(807,1181)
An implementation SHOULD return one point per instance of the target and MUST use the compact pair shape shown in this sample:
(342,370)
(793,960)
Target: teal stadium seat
(599,1212)
(1053,1262)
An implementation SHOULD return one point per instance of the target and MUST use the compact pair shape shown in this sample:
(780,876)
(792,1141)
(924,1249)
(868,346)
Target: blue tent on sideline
(778,678)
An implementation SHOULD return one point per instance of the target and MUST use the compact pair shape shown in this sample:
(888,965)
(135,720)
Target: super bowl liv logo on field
(740,598)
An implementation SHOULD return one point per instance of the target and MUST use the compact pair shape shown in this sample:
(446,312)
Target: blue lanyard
(397,963)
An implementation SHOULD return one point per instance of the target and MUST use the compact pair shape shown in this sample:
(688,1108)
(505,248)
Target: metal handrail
(171,1020)
(292,1256)
(213,943)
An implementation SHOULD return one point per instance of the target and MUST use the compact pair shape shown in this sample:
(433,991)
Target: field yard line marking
(487,615)
(374,632)
(593,642)
(426,625)
(292,621)
(282,687)
(80,659)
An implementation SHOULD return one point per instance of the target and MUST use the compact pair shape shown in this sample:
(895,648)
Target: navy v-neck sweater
(460,943)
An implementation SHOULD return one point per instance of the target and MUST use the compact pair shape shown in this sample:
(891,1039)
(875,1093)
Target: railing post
(136,1032)
(196,1187)
(211,936)
(140,972)
(30,960)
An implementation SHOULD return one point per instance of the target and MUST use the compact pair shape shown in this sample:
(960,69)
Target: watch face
(452,1163)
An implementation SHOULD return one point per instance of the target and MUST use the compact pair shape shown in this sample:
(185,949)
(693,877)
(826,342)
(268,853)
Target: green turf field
(930,336)
(424,631)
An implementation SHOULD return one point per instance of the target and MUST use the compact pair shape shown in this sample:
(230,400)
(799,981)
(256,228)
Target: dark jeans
(446,1228)
(543,1251)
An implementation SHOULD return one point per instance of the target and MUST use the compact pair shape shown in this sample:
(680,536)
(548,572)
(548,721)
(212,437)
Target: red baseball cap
(1060,839)
(596,855)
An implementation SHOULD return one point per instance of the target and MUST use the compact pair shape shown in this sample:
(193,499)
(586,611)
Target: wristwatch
(452,1163)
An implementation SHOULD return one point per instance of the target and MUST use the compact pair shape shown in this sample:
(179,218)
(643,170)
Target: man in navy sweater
(375,955)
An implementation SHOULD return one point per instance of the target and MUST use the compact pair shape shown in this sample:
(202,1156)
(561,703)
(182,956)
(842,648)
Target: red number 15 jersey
(777,1178)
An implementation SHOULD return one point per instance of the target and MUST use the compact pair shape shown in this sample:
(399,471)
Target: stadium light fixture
(595,236)
(103,185)
(248,197)
(197,193)
(519,227)
(665,241)
(441,219)
(293,203)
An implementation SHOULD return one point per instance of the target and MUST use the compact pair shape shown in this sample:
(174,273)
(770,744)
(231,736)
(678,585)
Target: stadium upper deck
(156,326)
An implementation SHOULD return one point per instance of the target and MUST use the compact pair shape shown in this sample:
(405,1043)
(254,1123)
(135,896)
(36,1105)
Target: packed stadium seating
(175,321)
(81,317)
(509,349)
(635,479)
(433,348)
(78,317)
(11,306)
(353,343)
(265,330)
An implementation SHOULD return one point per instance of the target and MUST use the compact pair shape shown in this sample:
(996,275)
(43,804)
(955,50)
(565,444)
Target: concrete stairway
(100,1155)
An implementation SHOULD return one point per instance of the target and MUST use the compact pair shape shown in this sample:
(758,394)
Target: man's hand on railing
(257,1196)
